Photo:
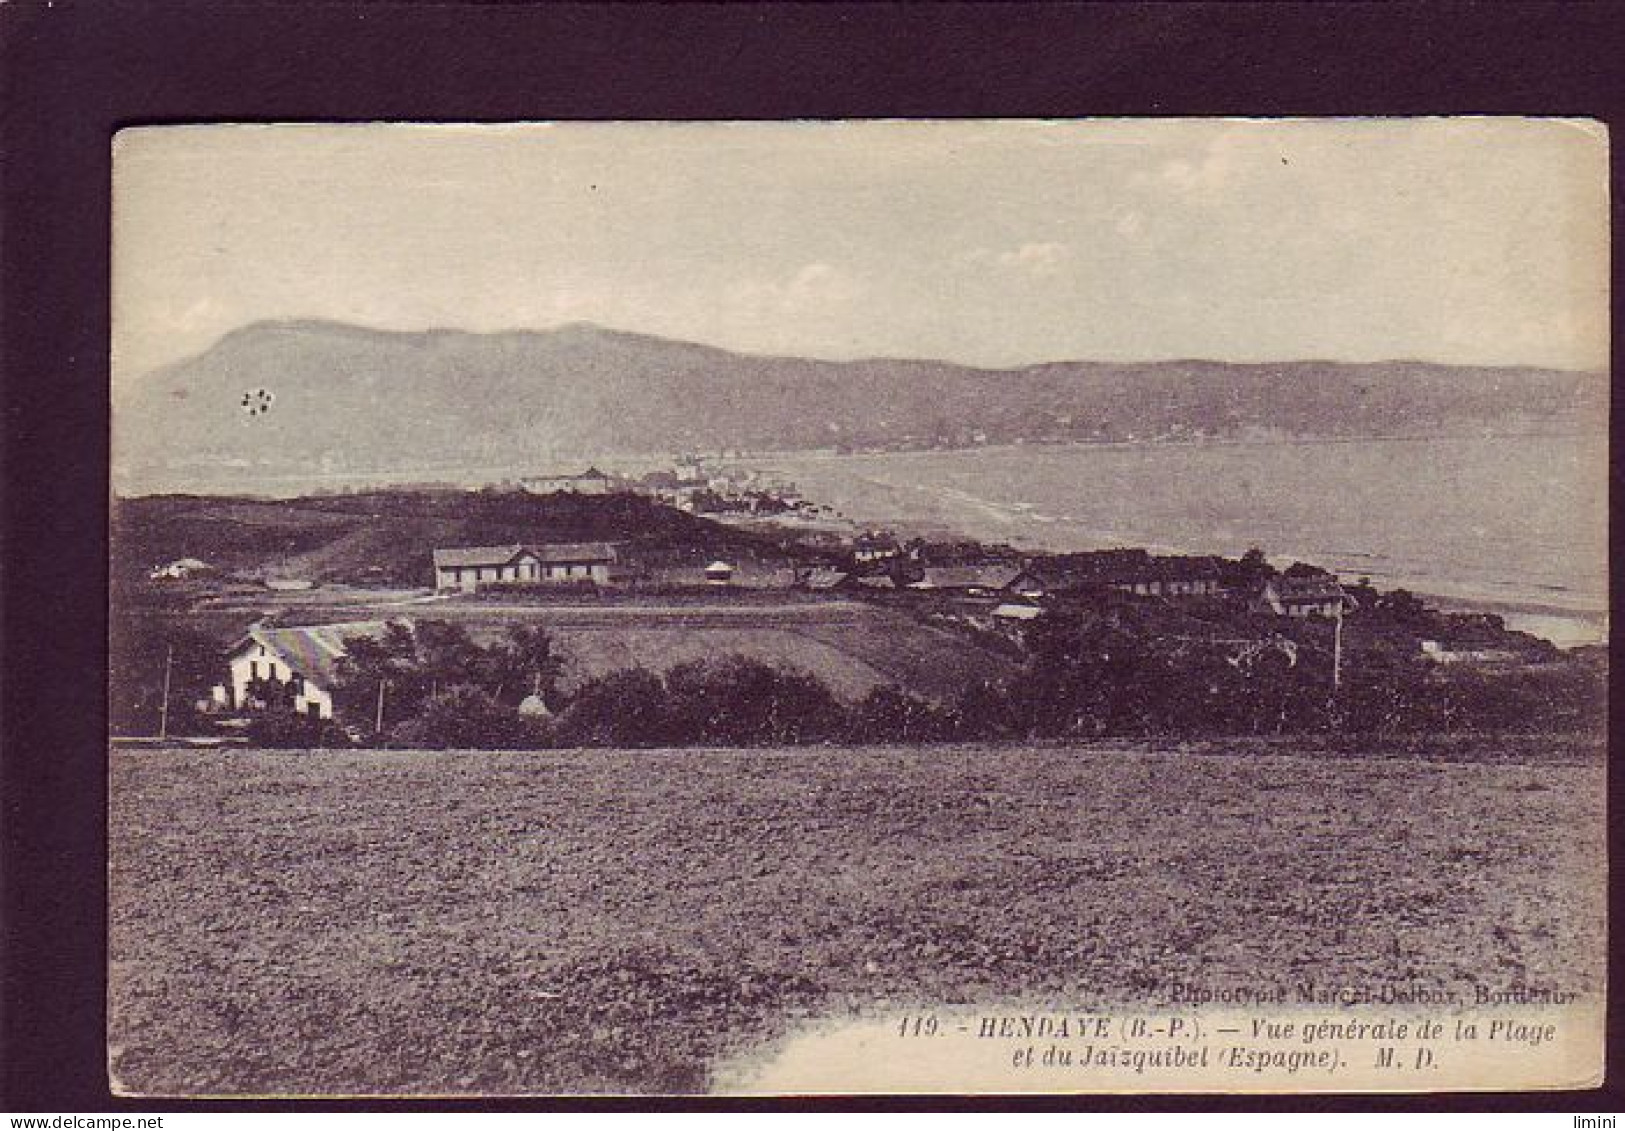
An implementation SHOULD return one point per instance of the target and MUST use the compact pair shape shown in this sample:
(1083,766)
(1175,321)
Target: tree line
(1085,676)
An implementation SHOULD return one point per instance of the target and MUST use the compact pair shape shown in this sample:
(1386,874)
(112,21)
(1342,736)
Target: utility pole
(1337,649)
(163,706)
(378,720)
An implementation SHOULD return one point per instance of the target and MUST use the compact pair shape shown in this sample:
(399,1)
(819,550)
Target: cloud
(199,314)
(813,287)
(1202,176)
(1037,259)
(817,283)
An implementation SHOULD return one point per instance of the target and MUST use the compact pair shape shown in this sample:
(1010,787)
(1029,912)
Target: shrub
(277,728)
(890,714)
(738,701)
(985,710)
(621,708)
(461,716)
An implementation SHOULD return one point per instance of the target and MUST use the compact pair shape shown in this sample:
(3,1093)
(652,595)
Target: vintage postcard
(859,607)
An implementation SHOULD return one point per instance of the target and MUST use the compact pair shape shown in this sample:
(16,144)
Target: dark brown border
(72,73)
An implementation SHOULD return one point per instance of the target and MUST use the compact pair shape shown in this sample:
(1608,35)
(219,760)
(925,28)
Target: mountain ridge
(351,398)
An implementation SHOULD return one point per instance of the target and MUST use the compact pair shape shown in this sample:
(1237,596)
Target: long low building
(466,568)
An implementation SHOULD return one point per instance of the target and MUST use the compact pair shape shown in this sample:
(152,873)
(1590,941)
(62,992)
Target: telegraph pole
(163,706)
(1337,649)
(378,719)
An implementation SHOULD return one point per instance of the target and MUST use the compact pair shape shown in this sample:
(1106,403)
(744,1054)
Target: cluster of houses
(880,563)
(876,564)
(296,666)
(689,486)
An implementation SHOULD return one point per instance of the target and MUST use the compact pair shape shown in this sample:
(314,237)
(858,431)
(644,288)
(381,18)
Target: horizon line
(857,359)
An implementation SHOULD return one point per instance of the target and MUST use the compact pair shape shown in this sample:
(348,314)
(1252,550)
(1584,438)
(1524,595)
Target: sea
(1512,524)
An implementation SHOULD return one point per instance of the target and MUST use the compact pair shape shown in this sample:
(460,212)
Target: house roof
(556,553)
(311,650)
(821,578)
(476,556)
(1306,590)
(1014,611)
(1181,568)
(566,477)
(1121,567)
(968,577)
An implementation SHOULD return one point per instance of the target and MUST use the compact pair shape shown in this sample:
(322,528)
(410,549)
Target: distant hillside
(348,400)
(389,536)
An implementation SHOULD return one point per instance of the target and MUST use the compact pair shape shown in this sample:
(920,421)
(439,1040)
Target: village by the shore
(266,638)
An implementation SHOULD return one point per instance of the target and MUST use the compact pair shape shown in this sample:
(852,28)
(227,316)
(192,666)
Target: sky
(1464,241)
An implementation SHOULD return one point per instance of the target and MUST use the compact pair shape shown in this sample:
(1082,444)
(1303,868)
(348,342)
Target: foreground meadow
(569,921)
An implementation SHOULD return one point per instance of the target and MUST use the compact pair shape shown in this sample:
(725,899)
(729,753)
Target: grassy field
(852,646)
(617,921)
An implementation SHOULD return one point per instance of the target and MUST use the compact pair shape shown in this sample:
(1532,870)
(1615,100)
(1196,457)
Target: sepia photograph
(858,607)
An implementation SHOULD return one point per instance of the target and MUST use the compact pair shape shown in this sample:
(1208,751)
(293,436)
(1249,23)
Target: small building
(1015,612)
(1171,577)
(874,547)
(294,667)
(822,579)
(1437,653)
(719,573)
(589,482)
(1302,597)
(973,581)
(1032,584)
(180,569)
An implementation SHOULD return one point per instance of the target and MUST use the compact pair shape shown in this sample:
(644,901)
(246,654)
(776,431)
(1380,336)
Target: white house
(298,663)
(467,568)
(178,569)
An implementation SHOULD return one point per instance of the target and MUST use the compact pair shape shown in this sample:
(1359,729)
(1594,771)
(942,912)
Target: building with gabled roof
(822,578)
(1129,571)
(466,568)
(295,667)
(976,580)
(1302,597)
